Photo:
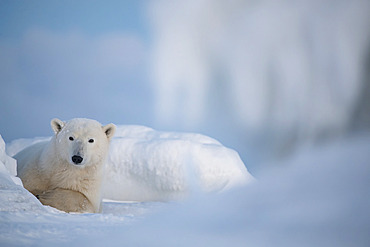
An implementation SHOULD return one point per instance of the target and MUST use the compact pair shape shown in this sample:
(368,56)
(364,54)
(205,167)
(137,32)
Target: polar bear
(66,172)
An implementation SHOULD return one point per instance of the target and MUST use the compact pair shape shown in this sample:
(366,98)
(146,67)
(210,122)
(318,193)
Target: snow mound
(13,197)
(148,165)
(9,163)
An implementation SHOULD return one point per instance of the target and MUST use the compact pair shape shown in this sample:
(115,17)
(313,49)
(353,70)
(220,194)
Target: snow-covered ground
(319,198)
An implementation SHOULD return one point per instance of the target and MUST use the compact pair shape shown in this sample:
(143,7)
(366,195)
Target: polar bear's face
(82,142)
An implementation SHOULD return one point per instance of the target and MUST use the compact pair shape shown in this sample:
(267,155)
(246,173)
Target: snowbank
(8,162)
(148,165)
(13,197)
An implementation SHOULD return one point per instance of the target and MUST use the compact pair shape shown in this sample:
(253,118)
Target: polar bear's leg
(66,200)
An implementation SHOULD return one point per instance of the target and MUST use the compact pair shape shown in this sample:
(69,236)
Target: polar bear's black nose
(77,159)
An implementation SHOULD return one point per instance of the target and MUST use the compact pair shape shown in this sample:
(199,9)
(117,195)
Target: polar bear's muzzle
(76,159)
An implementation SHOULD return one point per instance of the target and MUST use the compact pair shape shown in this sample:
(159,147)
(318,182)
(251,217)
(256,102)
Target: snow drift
(13,197)
(148,165)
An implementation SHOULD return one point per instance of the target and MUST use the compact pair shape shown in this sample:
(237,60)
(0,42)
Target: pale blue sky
(71,59)
(92,17)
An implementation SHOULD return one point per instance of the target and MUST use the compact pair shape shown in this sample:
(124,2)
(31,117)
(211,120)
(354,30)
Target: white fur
(47,170)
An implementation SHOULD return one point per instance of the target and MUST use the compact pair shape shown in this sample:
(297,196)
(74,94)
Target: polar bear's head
(81,141)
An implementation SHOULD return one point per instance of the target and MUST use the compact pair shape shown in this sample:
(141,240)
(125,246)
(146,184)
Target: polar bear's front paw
(66,200)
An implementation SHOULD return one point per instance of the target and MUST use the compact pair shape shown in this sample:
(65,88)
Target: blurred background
(263,77)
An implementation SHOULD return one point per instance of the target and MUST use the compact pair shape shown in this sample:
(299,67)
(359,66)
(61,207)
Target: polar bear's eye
(71,138)
(91,140)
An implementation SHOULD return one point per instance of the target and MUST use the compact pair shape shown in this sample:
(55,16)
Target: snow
(13,197)
(8,162)
(320,198)
(148,165)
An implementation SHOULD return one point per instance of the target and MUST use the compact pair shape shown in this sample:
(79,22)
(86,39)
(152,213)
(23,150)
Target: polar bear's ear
(57,125)
(109,130)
